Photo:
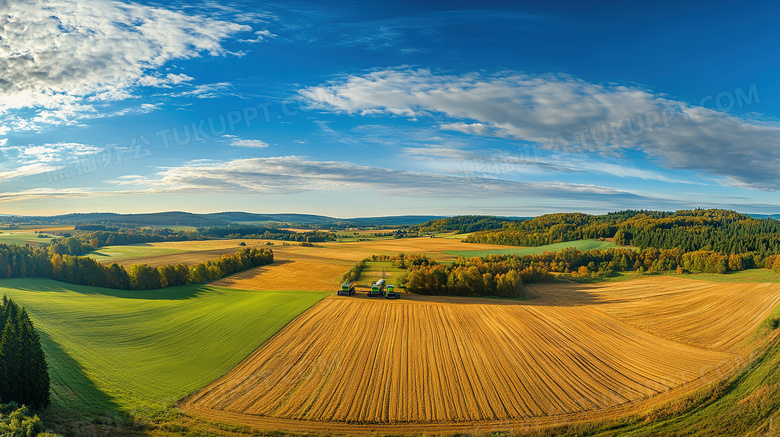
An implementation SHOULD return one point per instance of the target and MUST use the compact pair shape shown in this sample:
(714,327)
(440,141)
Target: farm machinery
(347,289)
(377,289)
(391,293)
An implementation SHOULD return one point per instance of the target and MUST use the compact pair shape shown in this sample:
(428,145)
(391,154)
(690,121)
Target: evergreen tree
(24,374)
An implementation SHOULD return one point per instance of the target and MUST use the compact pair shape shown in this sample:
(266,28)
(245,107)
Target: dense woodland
(30,262)
(725,232)
(462,224)
(24,375)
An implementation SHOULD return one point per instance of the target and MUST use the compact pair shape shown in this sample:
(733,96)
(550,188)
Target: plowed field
(354,364)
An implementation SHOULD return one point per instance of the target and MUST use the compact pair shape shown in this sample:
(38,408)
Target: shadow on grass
(76,402)
(181,292)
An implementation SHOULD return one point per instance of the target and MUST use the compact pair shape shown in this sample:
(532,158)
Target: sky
(356,109)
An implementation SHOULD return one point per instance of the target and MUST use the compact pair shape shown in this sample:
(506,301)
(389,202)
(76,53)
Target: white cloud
(558,109)
(164,81)
(58,56)
(257,144)
(207,91)
(241,142)
(55,193)
(260,36)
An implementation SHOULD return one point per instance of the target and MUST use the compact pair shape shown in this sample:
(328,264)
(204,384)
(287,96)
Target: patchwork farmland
(572,353)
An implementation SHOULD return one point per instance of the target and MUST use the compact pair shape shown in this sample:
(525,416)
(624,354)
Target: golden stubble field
(426,363)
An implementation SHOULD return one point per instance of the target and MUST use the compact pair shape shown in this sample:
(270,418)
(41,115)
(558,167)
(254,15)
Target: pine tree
(24,374)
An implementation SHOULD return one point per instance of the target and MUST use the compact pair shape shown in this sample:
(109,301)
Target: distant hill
(309,219)
(765,216)
(180,218)
(172,218)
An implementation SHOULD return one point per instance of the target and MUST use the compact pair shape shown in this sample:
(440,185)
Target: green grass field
(583,245)
(373,272)
(116,253)
(752,275)
(114,352)
(21,237)
(454,235)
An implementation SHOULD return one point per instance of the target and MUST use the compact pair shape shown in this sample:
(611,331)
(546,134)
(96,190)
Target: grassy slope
(114,351)
(583,245)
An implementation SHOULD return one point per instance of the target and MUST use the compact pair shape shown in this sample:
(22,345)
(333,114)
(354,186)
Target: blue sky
(384,108)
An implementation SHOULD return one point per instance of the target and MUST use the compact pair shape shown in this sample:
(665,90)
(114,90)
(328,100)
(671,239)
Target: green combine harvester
(391,293)
(377,289)
(347,289)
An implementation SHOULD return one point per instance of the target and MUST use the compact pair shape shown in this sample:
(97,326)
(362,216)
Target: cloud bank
(566,113)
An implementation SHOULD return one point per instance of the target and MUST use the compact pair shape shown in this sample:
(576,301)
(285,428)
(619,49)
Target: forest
(722,231)
(463,224)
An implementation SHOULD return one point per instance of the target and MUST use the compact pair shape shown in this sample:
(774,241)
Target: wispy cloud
(21,161)
(553,109)
(260,36)
(207,91)
(241,142)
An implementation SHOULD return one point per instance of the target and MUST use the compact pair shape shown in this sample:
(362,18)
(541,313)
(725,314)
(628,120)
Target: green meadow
(113,353)
(21,237)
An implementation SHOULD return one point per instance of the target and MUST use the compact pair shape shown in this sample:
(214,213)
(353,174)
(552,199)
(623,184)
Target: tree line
(505,275)
(594,263)
(31,262)
(722,231)
(24,374)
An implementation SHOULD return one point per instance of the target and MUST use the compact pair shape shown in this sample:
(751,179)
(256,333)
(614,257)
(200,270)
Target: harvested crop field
(355,364)
(288,275)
